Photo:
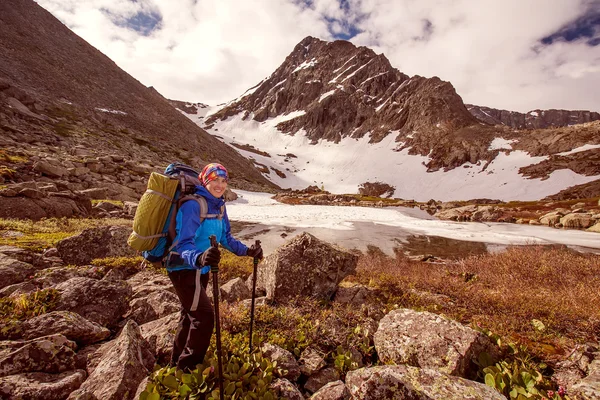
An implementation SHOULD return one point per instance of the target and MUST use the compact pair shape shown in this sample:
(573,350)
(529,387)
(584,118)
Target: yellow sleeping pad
(152,212)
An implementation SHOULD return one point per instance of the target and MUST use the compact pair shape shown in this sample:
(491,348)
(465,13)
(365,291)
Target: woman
(190,262)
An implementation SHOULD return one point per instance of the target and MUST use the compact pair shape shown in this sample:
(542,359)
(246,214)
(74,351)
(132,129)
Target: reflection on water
(440,247)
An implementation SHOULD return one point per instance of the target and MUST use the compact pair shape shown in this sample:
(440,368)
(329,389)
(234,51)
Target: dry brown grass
(503,292)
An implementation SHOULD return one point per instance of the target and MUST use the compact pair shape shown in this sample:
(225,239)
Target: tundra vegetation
(536,302)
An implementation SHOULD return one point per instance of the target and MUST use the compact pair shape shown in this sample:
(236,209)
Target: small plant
(245,376)
(28,305)
(6,172)
(343,361)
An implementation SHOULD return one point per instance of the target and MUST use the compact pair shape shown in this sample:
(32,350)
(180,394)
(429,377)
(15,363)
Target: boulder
(48,169)
(18,289)
(285,389)
(159,335)
(427,340)
(103,302)
(284,359)
(552,218)
(36,209)
(456,214)
(125,362)
(71,325)
(336,390)
(105,241)
(108,206)
(33,193)
(235,290)
(353,293)
(486,213)
(321,378)
(401,382)
(156,305)
(130,207)
(594,228)
(41,385)
(147,281)
(95,193)
(13,271)
(52,354)
(577,220)
(305,266)
(311,361)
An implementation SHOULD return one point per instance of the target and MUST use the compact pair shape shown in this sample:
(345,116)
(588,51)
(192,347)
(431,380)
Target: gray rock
(320,265)
(18,289)
(95,193)
(156,305)
(126,361)
(552,218)
(71,325)
(321,378)
(14,271)
(577,220)
(48,169)
(401,382)
(40,385)
(33,193)
(427,340)
(106,241)
(130,207)
(36,209)
(311,361)
(336,390)
(103,302)
(147,281)
(284,389)
(354,294)
(52,354)
(108,206)
(159,335)
(235,290)
(284,359)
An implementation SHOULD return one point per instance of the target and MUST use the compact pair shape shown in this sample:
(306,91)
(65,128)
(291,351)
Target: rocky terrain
(108,326)
(68,112)
(534,119)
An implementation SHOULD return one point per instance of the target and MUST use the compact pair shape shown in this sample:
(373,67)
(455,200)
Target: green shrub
(245,376)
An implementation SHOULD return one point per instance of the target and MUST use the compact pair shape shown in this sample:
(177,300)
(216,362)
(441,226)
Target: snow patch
(306,64)
(326,95)
(107,110)
(585,147)
(501,144)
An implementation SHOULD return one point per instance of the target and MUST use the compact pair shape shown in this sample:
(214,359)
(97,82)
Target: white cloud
(213,51)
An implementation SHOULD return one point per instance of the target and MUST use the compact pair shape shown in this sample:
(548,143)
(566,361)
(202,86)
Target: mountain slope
(57,90)
(534,119)
(338,115)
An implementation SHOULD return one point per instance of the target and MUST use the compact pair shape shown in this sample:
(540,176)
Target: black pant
(197,319)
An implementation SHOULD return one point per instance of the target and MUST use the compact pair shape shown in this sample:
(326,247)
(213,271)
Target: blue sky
(512,54)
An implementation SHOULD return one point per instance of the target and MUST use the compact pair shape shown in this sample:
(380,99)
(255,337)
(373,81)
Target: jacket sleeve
(228,241)
(188,222)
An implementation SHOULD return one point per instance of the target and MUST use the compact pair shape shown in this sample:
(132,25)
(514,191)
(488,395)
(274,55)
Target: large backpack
(155,218)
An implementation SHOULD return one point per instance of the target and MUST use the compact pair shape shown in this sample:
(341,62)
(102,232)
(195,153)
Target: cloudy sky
(514,54)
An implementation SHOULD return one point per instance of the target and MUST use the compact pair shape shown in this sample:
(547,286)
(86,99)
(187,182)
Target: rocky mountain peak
(339,90)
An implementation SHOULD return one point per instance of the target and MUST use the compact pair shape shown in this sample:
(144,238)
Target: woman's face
(217,186)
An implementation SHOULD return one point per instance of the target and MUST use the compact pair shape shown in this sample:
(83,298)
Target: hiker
(188,265)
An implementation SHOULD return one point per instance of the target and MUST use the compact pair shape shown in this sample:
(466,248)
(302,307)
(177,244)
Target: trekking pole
(215,271)
(257,243)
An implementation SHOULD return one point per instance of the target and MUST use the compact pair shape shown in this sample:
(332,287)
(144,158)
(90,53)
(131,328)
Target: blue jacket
(192,236)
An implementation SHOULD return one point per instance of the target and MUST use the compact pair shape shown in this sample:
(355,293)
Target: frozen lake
(387,228)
